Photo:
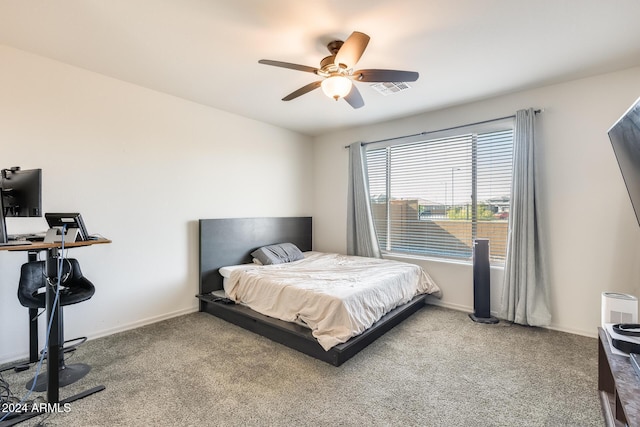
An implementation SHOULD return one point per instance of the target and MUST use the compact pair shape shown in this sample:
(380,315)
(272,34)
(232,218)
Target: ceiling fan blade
(354,98)
(352,49)
(385,76)
(289,65)
(302,90)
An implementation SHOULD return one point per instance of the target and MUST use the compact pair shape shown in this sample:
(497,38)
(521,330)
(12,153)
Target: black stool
(74,288)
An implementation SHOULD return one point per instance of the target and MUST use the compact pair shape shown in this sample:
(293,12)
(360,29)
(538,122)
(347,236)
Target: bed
(230,241)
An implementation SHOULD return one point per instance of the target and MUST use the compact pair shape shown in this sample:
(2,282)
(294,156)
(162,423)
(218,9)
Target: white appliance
(619,308)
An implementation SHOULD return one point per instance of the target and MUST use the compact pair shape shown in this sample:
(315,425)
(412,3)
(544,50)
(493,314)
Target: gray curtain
(525,296)
(361,235)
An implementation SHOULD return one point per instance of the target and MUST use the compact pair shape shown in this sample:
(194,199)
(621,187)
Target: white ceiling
(207,51)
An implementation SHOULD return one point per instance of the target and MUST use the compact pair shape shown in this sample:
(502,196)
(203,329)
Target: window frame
(497,125)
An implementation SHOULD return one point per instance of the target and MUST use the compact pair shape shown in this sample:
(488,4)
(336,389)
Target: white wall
(592,237)
(141,167)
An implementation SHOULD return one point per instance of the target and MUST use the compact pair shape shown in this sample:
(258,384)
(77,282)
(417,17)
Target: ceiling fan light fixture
(336,87)
(337,73)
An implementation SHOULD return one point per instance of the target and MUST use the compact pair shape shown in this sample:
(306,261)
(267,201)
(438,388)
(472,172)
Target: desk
(618,385)
(53,348)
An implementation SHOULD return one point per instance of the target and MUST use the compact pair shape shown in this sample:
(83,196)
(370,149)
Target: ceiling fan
(337,70)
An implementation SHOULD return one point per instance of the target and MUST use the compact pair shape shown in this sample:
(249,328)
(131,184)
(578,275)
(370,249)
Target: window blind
(434,197)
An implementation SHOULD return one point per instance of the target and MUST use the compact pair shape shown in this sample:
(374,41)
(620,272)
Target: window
(434,196)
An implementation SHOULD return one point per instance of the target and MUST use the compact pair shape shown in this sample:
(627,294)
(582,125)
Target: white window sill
(410,257)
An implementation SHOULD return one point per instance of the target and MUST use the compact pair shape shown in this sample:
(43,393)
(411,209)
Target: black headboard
(230,241)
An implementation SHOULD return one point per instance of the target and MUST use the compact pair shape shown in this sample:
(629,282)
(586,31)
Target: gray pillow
(277,254)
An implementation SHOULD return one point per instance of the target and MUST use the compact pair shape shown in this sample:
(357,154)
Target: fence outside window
(433,197)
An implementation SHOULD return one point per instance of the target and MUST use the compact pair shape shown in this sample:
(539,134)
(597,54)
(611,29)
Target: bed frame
(230,241)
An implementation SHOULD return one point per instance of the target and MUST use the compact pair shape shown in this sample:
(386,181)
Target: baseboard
(574,331)
(11,359)
(143,322)
(457,307)
(106,332)
(465,309)
(440,303)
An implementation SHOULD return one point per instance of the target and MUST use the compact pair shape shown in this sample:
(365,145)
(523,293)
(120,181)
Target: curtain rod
(444,130)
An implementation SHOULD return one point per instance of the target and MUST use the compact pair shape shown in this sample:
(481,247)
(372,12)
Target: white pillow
(226,271)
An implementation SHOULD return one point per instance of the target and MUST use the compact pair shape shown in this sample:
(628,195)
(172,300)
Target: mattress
(225,272)
(336,296)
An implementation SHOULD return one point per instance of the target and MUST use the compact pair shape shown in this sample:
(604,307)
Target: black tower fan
(481,283)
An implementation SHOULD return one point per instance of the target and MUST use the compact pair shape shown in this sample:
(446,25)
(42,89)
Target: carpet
(437,368)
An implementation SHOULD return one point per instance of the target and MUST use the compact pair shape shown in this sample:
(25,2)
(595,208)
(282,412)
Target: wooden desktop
(42,246)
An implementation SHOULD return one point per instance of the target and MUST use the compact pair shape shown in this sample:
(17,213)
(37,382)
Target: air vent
(388,88)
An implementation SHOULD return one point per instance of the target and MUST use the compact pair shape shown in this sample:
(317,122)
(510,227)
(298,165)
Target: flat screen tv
(21,192)
(625,139)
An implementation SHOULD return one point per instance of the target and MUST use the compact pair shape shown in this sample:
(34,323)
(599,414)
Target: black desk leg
(34,355)
(53,349)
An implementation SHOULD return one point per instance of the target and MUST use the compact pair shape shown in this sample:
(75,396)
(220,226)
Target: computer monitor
(70,220)
(3,225)
(21,192)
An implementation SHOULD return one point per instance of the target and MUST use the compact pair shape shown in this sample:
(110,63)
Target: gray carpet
(437,368)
